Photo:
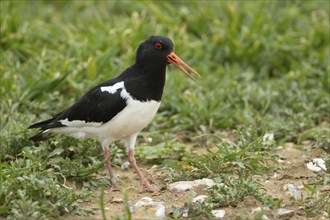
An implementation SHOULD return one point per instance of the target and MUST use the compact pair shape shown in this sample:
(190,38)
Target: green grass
(265,68)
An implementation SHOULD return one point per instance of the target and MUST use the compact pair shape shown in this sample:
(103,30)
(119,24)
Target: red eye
(158,45)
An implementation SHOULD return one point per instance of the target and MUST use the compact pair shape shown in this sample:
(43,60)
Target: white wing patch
(113,89)
(79,123)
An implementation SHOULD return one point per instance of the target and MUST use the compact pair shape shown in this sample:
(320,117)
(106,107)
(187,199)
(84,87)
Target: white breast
(132,119)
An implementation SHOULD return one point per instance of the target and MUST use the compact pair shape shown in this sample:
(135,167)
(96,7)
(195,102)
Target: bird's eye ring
(158,45)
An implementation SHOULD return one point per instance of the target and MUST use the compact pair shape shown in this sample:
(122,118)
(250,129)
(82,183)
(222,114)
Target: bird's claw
(114,187)
(145,186)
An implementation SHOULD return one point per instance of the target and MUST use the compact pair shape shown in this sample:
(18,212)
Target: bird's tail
(43,135)
(45,131)
(41,124)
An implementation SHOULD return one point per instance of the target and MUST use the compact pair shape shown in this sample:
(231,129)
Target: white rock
(146,204)
(204,182)
(295,191)
(316,165)
(268,138)
(280,148)
(282,212)
(180,186)
(185,213)
(199,198)
(117,200)
(125,165)
(259,209)
(264,217)
(276,176)
(187,185)
(153,168)
(160,213)
(218,213)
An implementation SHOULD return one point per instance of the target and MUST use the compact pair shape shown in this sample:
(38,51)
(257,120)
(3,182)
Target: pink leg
(144,182)
(113,178)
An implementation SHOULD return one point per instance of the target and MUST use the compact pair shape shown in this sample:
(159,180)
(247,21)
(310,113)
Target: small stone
(325,188)
(259,209)
(276,176)
(117,200)
(204,182)
(280,148)
(264,217)
(125,165)
(283,213)
(185,213)
(180,186)
(265,208)
(153,169)
(295,191)
(147,206)
(316,165)
(268,138)
(218,213)
(199,198)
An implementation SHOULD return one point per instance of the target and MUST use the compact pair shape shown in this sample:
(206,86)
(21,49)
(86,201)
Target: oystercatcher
(120,108)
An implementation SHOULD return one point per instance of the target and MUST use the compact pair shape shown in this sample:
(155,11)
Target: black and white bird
(120,108)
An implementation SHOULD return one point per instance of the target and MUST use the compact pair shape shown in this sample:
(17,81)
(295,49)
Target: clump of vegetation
(264,69)
(31,191)
(247,155)
(232,165)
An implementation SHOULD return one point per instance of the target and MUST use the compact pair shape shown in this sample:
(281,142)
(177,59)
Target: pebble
(204,182)
(268,138)
(187,185)
(295,191)
(180,186)
(125,165)
(185,213)
(259,209)
(264,217)
(276,176)
(199,198)
(316,165)
(280,148)
(117,200)
(280,213)
(325,188)
(147,205)
(218,213)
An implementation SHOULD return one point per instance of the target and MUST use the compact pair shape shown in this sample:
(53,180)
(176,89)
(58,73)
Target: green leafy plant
(264,68)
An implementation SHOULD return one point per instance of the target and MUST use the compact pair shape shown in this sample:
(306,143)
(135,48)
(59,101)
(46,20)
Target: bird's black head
(154,50)
(158,51)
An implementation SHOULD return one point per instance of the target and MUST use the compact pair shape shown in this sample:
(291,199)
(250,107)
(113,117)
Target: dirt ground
(294,172)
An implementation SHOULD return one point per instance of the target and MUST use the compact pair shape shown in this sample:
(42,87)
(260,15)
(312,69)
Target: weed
(246,156)
(265,70)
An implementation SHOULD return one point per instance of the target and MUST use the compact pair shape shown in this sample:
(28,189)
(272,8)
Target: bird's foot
(114,183)
(114,187)
(145,186)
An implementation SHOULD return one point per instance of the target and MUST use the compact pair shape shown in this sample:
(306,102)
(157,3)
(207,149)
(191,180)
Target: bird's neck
(150,79)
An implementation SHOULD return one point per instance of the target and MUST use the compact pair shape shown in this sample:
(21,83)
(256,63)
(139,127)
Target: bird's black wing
(95,106)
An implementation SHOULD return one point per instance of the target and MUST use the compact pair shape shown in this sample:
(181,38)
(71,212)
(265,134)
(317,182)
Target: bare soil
(294,172)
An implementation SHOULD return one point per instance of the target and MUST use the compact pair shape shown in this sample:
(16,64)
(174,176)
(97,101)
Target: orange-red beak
(172,58)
